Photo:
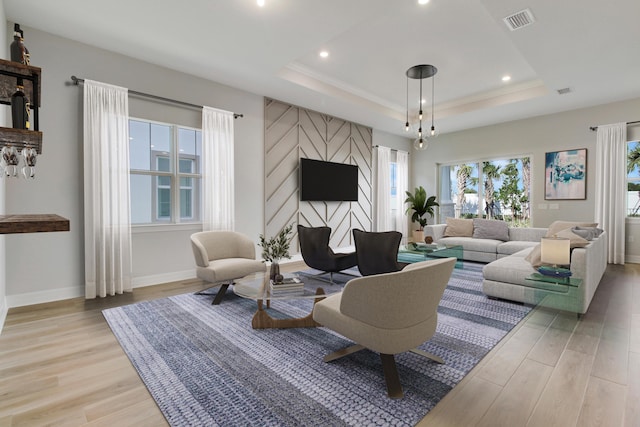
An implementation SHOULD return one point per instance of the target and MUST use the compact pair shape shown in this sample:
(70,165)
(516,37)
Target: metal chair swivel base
(219,295)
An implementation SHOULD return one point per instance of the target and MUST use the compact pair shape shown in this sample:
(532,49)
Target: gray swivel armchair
(222,256)
(388,313)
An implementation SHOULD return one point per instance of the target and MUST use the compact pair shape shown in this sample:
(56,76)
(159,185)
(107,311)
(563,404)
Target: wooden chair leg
(343,352)
(220,294)
(394,388)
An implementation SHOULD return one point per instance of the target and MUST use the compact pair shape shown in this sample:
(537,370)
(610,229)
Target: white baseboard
(156,279)
(4,309)
(632,259)
(40,297)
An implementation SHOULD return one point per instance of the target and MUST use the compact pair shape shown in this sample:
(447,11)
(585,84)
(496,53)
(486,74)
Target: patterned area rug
(206,366)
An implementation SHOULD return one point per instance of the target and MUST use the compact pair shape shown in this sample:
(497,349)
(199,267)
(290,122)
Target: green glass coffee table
(416,252)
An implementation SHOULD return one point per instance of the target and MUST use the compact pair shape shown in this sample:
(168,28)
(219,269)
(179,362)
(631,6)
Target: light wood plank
(561,399)
(515,403)
(634,342)
(550,346)
(612,358)
(475,397)
(586,336)
(632,410)
(603,404)
(504,363)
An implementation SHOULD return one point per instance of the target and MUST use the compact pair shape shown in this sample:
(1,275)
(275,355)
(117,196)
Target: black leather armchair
(316,253)
(377,252)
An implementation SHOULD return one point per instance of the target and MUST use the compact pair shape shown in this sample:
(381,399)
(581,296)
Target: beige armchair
(388,313)
(222,256)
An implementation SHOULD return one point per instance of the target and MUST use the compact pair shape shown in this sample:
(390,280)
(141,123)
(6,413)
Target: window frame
(477,163)
(174,175)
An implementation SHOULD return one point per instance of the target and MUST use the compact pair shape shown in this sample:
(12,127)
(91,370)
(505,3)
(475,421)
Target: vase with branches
(275,249)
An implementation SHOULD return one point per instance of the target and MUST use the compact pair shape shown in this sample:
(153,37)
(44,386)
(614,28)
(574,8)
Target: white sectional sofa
(510,264)
(487,250)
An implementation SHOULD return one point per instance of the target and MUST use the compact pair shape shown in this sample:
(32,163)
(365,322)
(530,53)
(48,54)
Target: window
(393,169)
(495,189)
(165,172)
(633,179)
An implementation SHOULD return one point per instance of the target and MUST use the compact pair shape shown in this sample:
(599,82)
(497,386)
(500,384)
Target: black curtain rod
(595,128)
(77,81)
(392,149)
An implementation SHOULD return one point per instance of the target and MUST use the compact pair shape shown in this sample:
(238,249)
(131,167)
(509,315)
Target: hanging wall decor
(566,175)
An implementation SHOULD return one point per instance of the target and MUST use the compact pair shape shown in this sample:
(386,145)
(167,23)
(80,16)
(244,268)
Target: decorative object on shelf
(555,251)
(11,158)
(420,72)
(19,52)
(428,240)
(421,205)
(276,248)
(20,107)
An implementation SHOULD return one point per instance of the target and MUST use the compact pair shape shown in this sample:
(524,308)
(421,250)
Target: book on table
(289,285)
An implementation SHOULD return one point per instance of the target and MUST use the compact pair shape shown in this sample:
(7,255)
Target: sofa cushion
(558,226)
(511,247)
(490,229)
(512,269)
(471,244)
(457,227)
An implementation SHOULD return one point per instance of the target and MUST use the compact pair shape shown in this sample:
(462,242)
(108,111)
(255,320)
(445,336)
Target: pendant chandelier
(421,72)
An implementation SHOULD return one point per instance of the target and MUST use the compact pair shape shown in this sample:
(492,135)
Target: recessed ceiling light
(506,78)
(324,54)
(423,1)
(260,3)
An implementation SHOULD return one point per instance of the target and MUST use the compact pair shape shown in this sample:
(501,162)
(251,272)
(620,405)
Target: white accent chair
(388,313)
(223,256)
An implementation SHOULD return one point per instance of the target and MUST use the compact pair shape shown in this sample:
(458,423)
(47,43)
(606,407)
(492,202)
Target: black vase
(274,270)
(20,108)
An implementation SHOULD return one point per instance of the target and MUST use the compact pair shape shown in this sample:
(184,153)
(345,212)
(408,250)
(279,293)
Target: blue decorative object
(554,271)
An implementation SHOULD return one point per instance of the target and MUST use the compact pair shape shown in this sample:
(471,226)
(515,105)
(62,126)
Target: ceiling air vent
(564,91)
(519,20)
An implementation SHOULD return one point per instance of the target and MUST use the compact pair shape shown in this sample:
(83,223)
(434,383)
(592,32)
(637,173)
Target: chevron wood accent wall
(291,133)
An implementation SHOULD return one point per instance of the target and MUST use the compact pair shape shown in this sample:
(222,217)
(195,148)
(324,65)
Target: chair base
(219,295)
(330,273)
(389,369)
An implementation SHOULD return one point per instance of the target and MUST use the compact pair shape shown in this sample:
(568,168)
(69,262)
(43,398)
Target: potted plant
(276,248)
(421,205)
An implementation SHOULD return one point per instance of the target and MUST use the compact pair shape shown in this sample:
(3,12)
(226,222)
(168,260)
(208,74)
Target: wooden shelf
(21,138)
(10,224)
(8,82)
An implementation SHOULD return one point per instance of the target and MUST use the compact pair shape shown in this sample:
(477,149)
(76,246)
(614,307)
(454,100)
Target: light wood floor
(61,365)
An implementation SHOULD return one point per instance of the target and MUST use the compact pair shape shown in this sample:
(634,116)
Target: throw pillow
(535,256)
(575,241)
(558,226)
(458,227)
(490,229)
(588,233)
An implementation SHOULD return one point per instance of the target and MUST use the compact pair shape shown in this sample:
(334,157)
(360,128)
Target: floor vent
(519,20)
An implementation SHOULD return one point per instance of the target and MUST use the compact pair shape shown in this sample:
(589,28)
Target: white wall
(534,137)
(50,266)
(3,122)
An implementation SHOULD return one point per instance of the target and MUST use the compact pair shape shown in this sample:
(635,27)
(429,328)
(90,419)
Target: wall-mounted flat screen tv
(328,181)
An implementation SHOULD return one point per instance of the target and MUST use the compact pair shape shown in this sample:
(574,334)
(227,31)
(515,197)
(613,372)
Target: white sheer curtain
(402,184)
(107,217)
(384,222)
(611,186)
(217,170)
